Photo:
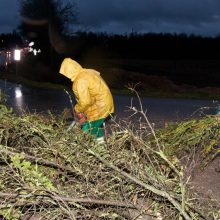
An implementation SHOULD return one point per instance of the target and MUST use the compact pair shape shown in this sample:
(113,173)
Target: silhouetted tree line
(10,40)
(146,46)
(101,45)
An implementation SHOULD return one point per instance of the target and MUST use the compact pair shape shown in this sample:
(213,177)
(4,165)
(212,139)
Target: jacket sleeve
(81,91)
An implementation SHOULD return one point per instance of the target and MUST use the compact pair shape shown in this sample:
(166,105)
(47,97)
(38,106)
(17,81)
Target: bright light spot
(35,52)
(31,44)
(18,93)
(17,55)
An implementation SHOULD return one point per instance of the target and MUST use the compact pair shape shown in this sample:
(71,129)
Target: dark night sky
(123,16)
(8,15)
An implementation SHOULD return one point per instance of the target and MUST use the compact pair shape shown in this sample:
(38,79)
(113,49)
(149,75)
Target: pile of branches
(50,172)
(195,136)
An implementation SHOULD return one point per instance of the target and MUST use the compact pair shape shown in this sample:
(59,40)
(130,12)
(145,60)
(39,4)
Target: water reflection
(18,93)
(19,97)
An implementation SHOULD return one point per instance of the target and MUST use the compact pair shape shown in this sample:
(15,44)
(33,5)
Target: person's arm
(81,90)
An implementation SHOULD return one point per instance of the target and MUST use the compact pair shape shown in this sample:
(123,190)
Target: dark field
(200,73)
(160,78)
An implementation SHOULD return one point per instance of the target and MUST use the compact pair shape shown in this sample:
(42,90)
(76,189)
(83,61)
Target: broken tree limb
(131,210)
(67,199)
(156,191)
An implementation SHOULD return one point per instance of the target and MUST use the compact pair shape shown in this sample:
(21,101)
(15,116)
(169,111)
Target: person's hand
(80,117)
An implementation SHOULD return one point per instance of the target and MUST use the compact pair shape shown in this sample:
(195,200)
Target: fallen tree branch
(65,199)
(131,210)
(156,191)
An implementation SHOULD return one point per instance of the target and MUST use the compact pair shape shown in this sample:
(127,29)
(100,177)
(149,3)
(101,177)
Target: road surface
(158,110)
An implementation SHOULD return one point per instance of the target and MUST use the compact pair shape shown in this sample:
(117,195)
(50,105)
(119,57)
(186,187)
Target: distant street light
(17,55)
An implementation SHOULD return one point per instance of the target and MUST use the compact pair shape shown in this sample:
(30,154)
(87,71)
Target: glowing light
(17,55)
(35,52)
(18,93)
(31,44)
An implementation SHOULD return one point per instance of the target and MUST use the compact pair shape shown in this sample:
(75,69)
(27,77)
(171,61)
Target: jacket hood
(70,68)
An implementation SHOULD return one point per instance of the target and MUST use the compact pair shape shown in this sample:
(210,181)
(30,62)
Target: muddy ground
(207,182)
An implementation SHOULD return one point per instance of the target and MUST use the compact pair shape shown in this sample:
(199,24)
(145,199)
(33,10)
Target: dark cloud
(8,15)
(191,16)
(124,16)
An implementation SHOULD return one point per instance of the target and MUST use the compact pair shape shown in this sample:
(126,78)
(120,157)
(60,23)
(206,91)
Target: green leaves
(31,174)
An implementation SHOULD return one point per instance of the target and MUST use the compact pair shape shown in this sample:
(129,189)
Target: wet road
(159,110)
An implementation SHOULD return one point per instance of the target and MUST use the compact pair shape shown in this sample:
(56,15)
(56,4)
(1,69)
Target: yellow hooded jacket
(93,96)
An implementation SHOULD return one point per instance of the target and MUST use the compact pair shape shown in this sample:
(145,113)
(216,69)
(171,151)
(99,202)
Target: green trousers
(95,128)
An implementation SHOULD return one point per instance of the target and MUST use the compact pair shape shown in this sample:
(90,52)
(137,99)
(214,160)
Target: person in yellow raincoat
(94,99)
